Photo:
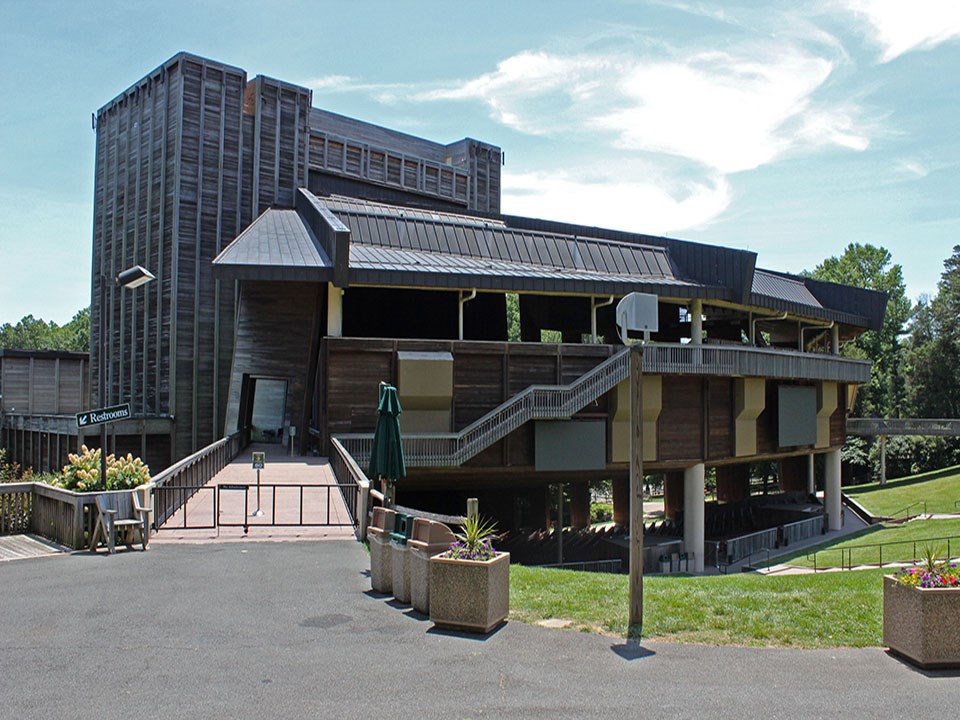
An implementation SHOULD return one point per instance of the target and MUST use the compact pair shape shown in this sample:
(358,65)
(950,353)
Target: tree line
(915,356)
(32,333)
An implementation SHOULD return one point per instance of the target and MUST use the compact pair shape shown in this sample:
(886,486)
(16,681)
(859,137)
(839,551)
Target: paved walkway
(289,630)
(279,499)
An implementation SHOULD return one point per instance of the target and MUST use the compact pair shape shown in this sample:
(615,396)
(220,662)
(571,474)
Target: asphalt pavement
(290,630)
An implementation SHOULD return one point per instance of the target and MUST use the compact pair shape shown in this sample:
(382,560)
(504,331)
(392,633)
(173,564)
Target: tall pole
(103,379)
(635,623)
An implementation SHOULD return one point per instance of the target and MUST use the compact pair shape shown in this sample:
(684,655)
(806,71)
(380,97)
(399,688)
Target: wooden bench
(119,510)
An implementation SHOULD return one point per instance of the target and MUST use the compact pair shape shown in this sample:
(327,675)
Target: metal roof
(779,287)
(396,245)
(277,245)
(450,236)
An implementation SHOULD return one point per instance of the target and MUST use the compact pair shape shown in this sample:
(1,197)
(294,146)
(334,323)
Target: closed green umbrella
(386,457)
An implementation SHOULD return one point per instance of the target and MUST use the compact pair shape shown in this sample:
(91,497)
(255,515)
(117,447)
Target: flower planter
(469,594)
(922,624)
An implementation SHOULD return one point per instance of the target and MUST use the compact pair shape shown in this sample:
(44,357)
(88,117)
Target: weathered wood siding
(277,335)
(166,197)
(43,382)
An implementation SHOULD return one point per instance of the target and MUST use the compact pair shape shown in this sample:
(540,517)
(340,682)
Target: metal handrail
(846,553)
(537,402)
(910,506)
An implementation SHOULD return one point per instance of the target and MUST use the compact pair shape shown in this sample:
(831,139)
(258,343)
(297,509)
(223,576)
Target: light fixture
(134,277)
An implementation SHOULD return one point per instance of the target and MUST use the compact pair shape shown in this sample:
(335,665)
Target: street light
(129,278)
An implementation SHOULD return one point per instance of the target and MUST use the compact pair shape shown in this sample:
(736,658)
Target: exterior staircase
(537,402)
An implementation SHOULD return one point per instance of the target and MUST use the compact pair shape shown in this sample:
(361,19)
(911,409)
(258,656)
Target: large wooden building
(303,257)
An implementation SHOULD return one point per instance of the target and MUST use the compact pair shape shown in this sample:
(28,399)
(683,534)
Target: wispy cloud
(729,111)
(638,203)
(900,27)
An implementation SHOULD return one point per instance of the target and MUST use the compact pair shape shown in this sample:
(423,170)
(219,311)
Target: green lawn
(912,536)
(807,611)
(940,489)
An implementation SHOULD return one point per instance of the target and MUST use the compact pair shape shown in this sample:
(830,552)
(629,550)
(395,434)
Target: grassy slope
(826,610)
(922,532)
(940,489)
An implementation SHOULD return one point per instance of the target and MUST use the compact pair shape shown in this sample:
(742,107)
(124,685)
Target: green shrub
(601,512)
(126,473)
(82,473)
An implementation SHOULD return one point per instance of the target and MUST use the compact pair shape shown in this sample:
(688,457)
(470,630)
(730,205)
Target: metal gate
(249,505)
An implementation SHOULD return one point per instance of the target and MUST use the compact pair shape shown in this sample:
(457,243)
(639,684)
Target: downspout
(753,325)
(594,305)
(461,302)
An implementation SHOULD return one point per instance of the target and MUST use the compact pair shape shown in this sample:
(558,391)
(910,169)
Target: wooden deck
(18,547)
(282,502)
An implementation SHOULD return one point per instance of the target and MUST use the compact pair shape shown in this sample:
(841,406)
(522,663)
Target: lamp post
(129,278)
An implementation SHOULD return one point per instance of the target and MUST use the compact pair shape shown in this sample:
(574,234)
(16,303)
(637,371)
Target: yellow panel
(620,427)
(750,398)
(826,406)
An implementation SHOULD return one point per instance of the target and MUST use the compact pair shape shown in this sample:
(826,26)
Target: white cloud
(331,82)
(899,26)
(637,203)
(729,111)
(912,168)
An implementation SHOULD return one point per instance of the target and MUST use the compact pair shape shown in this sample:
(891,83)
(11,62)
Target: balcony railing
(743,361)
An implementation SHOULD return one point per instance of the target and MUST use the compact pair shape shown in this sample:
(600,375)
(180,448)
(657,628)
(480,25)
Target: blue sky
(785,128)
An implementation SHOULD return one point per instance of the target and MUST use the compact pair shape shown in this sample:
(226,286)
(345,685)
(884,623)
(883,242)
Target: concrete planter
(922,624)
(469,594)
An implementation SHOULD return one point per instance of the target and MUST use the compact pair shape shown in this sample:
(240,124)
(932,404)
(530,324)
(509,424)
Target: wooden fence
(64,516)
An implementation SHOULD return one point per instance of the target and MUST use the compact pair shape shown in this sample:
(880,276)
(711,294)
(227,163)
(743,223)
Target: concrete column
(693,514)
(673,492)
(696,321)
(579,504)
(831,490)
(883,459)
(811,474)
(835,339)
(621,501)
(334,311)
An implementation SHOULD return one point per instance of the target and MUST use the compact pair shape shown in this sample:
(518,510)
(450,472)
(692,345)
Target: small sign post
(259,461)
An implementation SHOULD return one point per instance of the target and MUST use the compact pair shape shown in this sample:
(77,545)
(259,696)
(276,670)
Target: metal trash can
(429,538)
(664,564)
(684,565)
(381,559)
(400,556)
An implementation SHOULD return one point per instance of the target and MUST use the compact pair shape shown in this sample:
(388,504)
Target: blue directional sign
(103,415)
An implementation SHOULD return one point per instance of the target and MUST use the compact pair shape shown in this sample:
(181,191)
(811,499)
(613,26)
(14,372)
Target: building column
(334,311)
(696,321)
(835,339)
(811,474)
(883,459)
(693,514)
(672,494)
(831,490)
(579,504)
(621,501)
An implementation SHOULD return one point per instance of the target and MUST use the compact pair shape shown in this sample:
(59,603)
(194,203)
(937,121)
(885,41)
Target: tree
(32,333)
(871,267)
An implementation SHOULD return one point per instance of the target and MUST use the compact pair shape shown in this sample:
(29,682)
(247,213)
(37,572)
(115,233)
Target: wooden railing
(744,361)
(354,485)
(64,516)
(181,481)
